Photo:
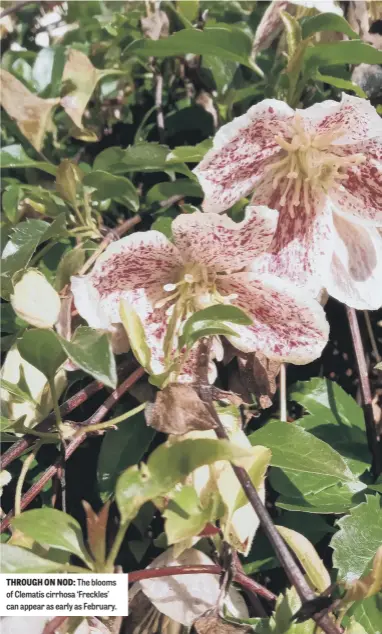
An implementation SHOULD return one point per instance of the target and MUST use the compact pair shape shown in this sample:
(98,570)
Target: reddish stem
(210,569)
(97,417)
(367,405)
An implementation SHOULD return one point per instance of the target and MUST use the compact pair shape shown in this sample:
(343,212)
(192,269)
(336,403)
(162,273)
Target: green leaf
(292,31)
(12,197)
(213,320)
(184,515)
(358,539)
(15,559)
(342,84)
(308,557)
(120,449)
(68,180)
(43,350)
(190,153)
(115,187)
(368,613)
(311,476)
(24,239)
(335,418)
(345,52)
(47,70)
(164,225)
(142,157)
(222,40)
(91,350)
(19,395)
(136,334)
(54,528)
(70,264)
(167,466)
(327,22)
(181,187)
(14,156)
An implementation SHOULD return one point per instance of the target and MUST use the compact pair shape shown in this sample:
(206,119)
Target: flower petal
(355,117)
(288,325)
(270,25)
(135,268)
(359,199)
(301,247)
(219,242)
(355,276)
(240,152)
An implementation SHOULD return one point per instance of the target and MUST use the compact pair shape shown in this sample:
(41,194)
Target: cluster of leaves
(101,125)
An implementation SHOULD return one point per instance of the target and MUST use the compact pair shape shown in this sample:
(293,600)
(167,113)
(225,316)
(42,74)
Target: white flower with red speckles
(321,168)
(165,283)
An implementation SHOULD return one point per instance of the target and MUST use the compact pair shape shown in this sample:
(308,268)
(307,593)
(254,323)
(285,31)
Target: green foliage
(356,543)
(91,351)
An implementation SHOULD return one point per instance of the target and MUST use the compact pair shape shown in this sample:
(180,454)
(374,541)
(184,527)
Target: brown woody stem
(367,406)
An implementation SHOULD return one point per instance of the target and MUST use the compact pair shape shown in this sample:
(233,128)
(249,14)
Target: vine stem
(19,487)
(96,418)
(373,342)
(367,406)
(213,569)
(283,394)
(292,569)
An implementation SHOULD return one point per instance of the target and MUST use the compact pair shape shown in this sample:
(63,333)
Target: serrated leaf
(311,476)
(42,349)
(167,466)
(358,538)
(308,557)
(91,350)
(20,560)
(368,585)
(54,528)
(116,188)
(223,40)
(136,334)
(35,301)
(335,418)
(190,153)
(120,449)
(32,114)
(327,22)
(368,613)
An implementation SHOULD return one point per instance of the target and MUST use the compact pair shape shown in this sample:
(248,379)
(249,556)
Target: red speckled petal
(355,276)
(222,244)
(360,197)
(135,268)
(355,117)
(288,325)
(241,150)
(302,246)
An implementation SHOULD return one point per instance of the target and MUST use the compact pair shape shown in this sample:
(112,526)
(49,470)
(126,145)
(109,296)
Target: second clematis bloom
(322,169)
(166,282)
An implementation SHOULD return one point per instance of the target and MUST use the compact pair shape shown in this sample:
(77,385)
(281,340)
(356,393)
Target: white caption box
(63,595)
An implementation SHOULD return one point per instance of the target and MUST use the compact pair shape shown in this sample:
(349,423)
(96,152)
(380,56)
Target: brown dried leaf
(258,375)
(96,525)
(214,624)
(178,410)
(32,114)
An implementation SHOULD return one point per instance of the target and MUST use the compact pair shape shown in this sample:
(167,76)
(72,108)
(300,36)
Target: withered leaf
(178,410)
(96,525)
(214,624)
(258,375)
(32,114)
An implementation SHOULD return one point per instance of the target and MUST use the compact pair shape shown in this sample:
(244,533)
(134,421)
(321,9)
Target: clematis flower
(271,24)
(166,282)
(321,168)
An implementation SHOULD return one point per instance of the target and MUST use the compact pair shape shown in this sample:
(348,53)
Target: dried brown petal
(178,410)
